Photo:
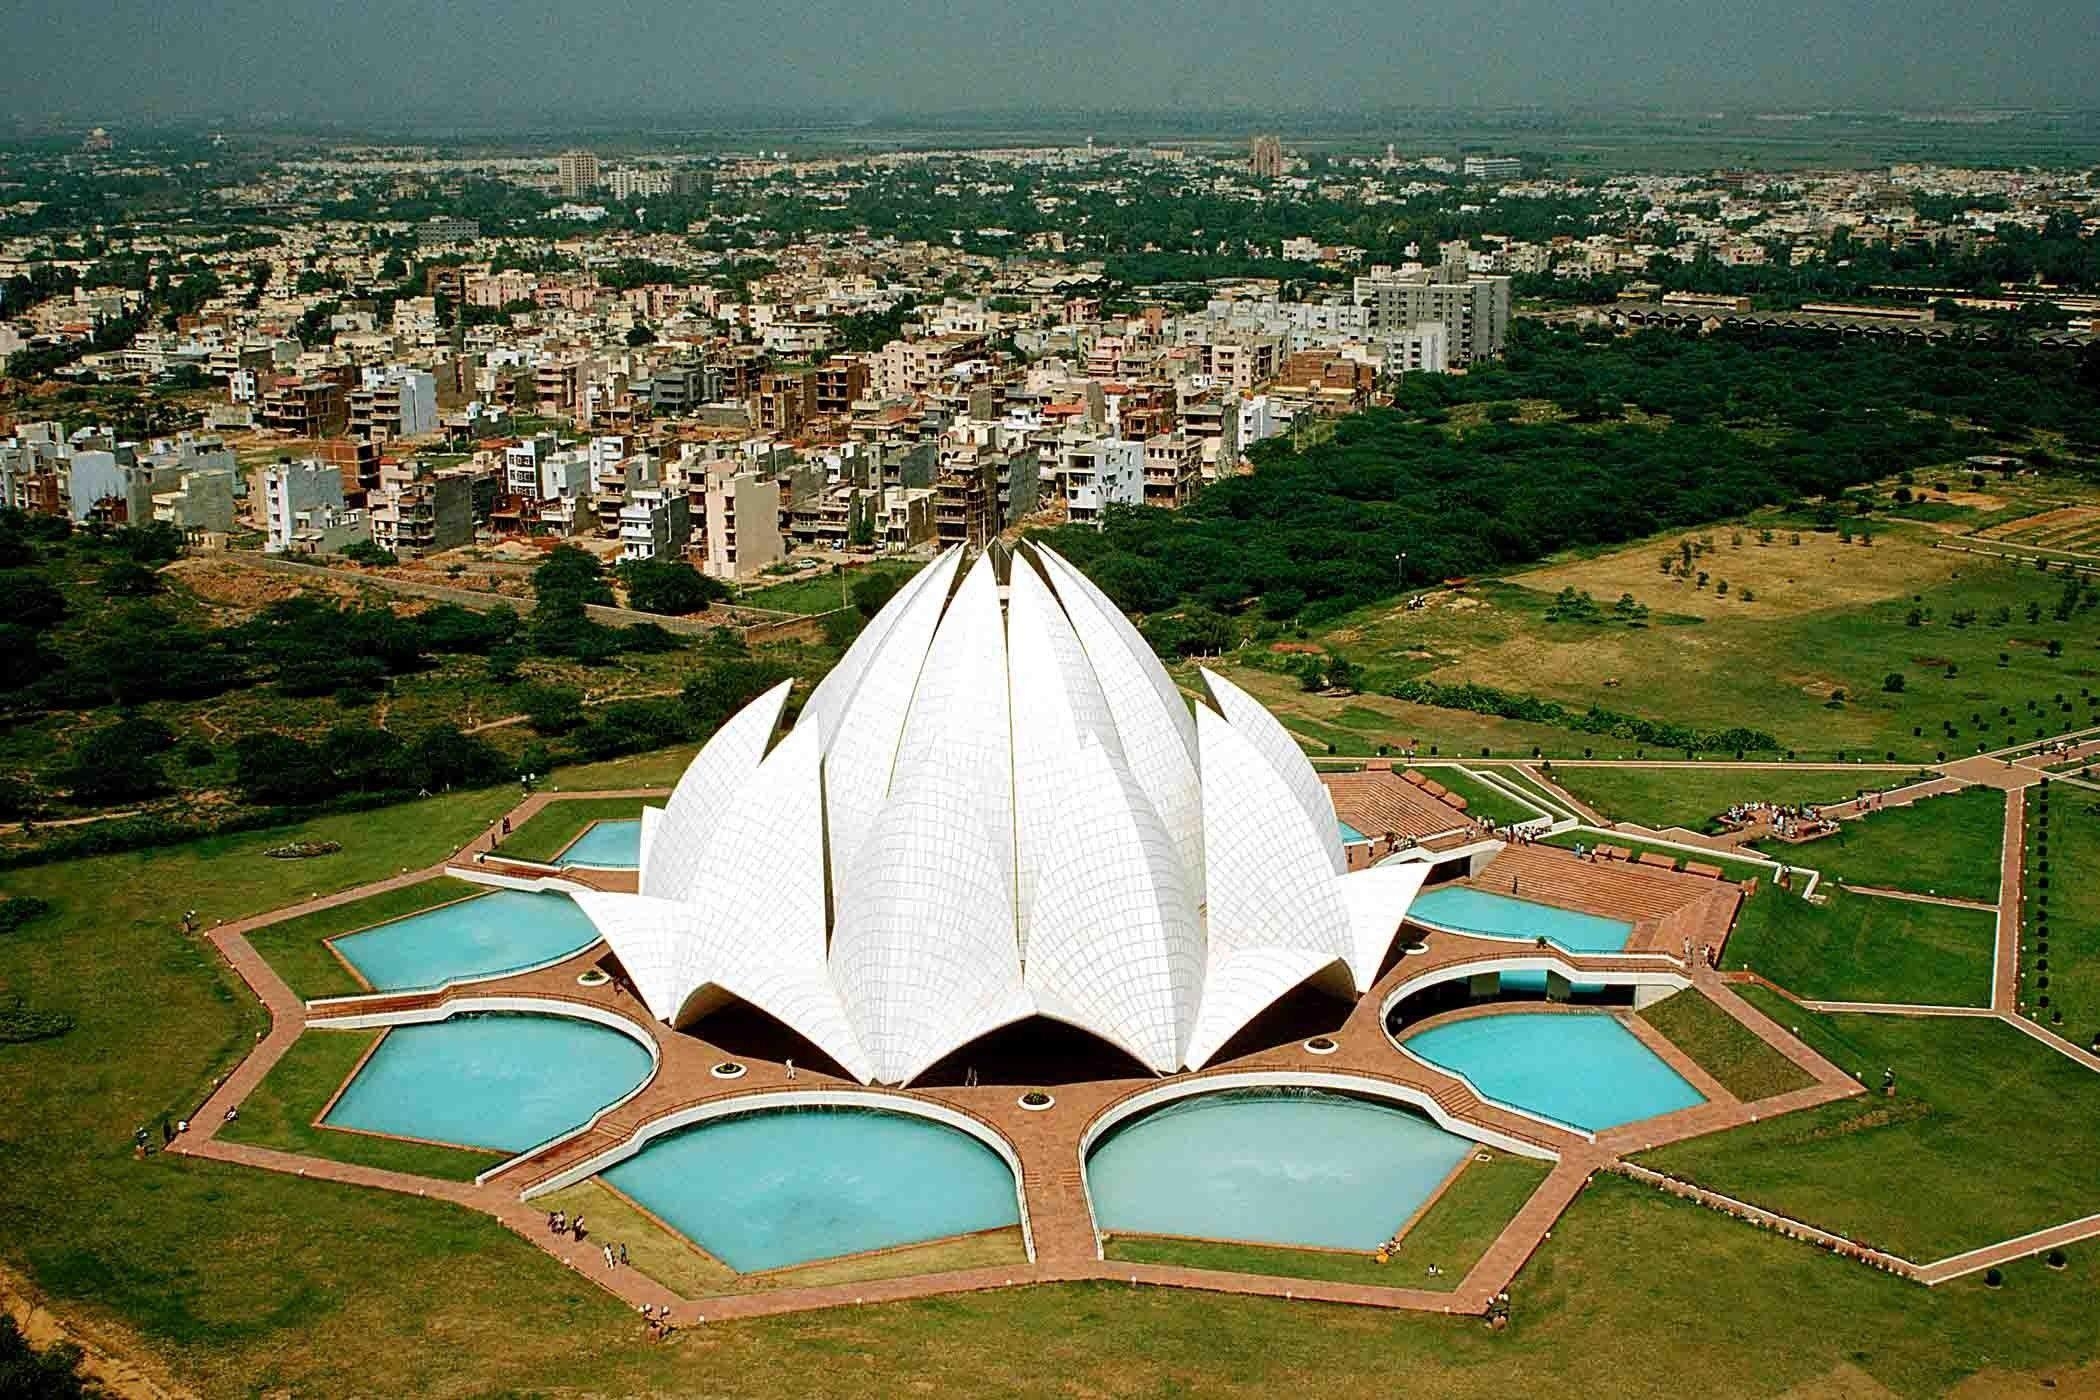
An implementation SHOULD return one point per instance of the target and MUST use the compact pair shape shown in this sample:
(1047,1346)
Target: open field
(1945,845)
(1483,802)
(548,832)
(1810,660)
(1857,947)
(1989,1136)
(281,1112)
(1693,797)
(1724,1048)
(2070,913)
(1452,1234)
(297,948)
(244,1281)
(820,591)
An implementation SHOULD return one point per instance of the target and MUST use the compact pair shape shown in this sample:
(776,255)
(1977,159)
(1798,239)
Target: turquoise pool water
(1574,1067)
(777,1187)
(1465,910)
(504,1083)
(1349,833)
(1272,1166)
(612,845)
(479,937)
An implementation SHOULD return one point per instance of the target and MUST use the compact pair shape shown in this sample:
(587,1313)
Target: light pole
(1400,563)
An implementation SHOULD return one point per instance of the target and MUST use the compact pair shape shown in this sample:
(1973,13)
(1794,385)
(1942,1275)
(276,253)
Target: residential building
(1266,160)
(1493,168)
(743,523)
(575,173)
(424,516)
(1473,309)
(299,498)
(394,402)
(654,524)
(305,408)
(966,504)
(1101,472)
(1173,469)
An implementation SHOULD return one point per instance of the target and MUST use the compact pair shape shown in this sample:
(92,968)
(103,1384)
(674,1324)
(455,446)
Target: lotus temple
(1006,956)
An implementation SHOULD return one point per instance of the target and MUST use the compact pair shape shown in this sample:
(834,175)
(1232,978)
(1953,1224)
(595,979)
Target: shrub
(19,909)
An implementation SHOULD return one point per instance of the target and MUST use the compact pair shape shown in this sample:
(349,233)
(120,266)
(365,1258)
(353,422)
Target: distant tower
(1267,161)
(97,140)
(577,173)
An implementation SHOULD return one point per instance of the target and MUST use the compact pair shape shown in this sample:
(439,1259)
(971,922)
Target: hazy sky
(539,61)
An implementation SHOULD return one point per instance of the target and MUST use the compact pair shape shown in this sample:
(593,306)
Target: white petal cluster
(999,806)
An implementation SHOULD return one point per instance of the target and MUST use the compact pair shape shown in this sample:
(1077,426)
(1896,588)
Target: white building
(997,808)
(300,498)
(1100,473)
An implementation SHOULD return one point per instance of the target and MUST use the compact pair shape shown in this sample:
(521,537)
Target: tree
(369,553)
(871,591)
(669,587)
(120,762)
(639,336)
(127,578)
(1894,683)
(32,600)
(445,758)
(721,688)
(570,576)
(551,709)
(50,1374)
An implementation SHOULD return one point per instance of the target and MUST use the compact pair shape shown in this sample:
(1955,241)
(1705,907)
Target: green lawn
(281,1112)
(1944,845)
(1453,1234)
(298,949)
(1990,1135)
(1483,802)
(1737,870)
(1858,947)
(1693,797)
(550,830)
(1724,1047)
(2069,909)
(249,1282)
(819,592)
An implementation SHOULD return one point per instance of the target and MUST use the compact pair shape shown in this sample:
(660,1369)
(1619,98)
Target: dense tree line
(1312,533)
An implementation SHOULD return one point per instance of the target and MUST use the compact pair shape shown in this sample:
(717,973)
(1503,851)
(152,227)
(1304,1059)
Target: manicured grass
(245,1281)
(663,1255)
(298,948)
(2068,908)
(550,830)
(1736,870)
(1483,802)
(985,1249)
(1455,1231)
(1724,1047)
(1858,947)
(1693,797)
(1991,1135)
(281,1112)
(1943,845)
(677,1263)
(825,591)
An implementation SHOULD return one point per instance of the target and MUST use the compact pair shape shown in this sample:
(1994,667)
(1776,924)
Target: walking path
(2005,956)
(1051,1179)
(1910,897)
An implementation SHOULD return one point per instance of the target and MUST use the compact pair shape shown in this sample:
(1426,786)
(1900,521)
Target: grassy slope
(1745,1065)
(1943,845)
(1772,664)
(281,1111)
(251,1281)
(2072,912)
(1455,1232)
(1860,947)
(1958,1159)
(297,948)
(557,824)
(1484,803)
(823,592)
(1693,797)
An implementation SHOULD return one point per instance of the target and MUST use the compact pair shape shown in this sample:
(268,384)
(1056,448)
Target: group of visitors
(559,1222)
(1788,821)
(658,1321)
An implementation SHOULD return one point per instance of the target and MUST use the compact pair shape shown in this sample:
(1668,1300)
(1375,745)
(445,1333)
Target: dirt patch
(100,1362)
(234,587)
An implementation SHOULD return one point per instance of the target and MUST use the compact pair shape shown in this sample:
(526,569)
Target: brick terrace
(1659,903)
